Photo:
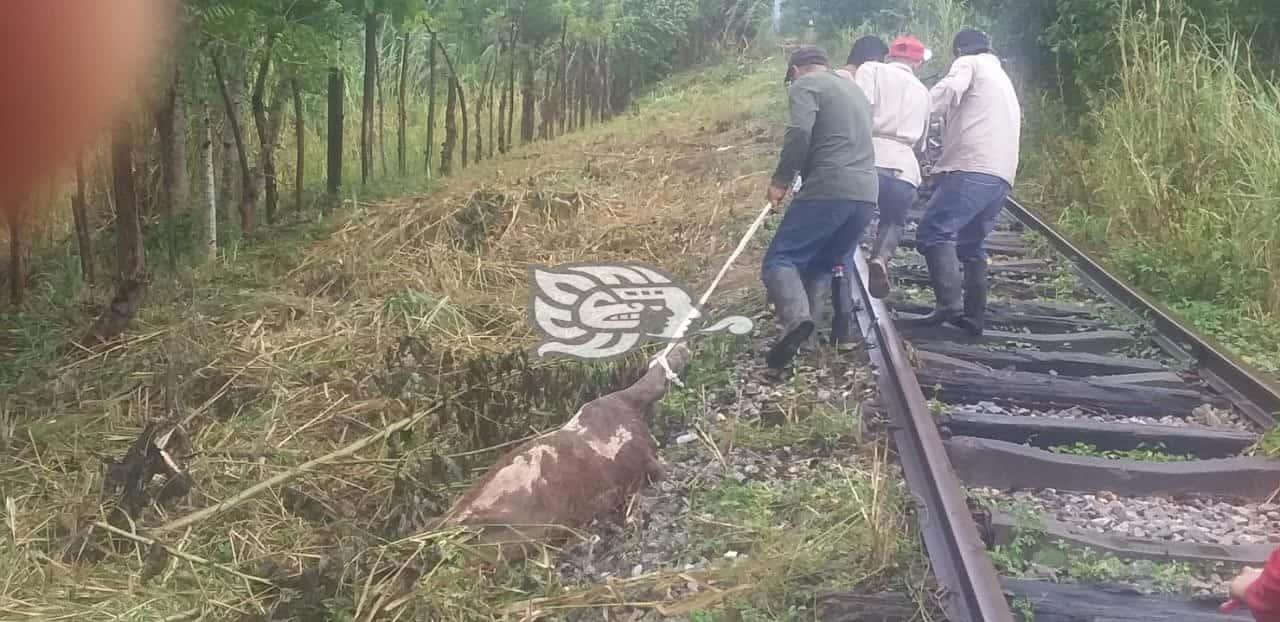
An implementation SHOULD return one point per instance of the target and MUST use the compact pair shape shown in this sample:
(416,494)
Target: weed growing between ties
(1030,552)
(1268,445)
(1142,452)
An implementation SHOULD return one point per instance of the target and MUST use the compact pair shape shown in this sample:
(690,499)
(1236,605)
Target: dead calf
(561,480)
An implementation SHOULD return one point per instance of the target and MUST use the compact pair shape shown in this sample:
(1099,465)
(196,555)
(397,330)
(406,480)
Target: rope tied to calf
(687,322)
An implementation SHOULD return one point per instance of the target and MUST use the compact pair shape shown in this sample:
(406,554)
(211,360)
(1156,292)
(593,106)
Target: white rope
(661,360)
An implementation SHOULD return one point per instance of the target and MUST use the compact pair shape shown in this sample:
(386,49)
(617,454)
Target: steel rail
(958,556)
(1257,396)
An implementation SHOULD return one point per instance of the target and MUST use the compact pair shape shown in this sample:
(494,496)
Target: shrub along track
(1073,444)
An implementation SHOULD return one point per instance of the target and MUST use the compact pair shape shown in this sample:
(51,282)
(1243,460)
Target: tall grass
(1175,175)
(934,22)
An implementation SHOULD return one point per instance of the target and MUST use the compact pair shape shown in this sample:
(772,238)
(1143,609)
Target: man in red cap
(899,119)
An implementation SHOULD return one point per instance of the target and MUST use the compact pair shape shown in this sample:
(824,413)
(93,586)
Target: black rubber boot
(791,306)
(887,237)
(818,293)
(975,297)
(944,273)
(842,310)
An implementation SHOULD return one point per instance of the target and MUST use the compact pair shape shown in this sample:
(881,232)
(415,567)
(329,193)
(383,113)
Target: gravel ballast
(1203,520)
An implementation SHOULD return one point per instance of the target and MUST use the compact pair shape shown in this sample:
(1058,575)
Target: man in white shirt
(982,127)
(900,116)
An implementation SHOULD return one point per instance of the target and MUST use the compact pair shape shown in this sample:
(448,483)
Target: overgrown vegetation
(339,328)
(1030,553)
(843,527)
(1176,184)
(1143,452)
(1268,445)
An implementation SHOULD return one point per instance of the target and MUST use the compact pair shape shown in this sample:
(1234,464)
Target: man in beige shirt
(982,126)
(900,116)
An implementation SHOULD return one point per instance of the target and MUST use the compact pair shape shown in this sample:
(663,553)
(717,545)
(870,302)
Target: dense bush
(1166,161)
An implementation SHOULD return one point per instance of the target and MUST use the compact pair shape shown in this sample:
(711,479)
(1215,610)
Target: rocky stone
(1223,420)
(1191,519)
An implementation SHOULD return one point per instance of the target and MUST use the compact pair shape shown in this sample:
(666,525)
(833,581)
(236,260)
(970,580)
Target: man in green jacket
(828,144)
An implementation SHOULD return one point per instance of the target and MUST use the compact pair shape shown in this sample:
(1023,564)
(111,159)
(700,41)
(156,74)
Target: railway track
(1124,434)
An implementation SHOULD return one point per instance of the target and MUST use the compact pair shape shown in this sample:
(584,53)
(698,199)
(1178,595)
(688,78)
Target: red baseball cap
(907,47)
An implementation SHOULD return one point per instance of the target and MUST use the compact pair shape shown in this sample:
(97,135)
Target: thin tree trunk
(131,263)
(131,256)
(80,216)
(593,87)
(548,112)
(333,137)
(275,125)
(479,106)
(561,74)
(462,109)
(173,166)
(583,95)
(16,216)
(527,101)
(263,125)
(462,101)
(401,146)
(450,130)
(248,203)
(381,134)
(370,84)
(230,190)
(300,142)
(493,79)
(605,79)
(571,84)
(511,92)
(431,102)
(502,118)
(511,78)
(210,188)
(181,182)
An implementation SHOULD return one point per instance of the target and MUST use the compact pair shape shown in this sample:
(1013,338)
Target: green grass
(1268,445)
(838,528)
(1142,452)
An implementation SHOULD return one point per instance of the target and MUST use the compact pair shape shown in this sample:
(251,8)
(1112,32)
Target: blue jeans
(963,211)
(814,236)
(896,197)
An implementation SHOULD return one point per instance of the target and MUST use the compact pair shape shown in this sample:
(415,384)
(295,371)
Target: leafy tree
(249,78)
